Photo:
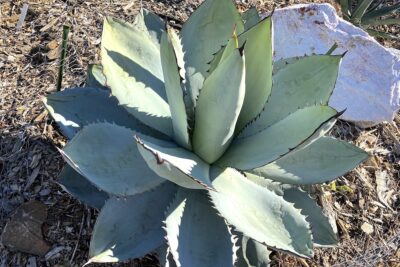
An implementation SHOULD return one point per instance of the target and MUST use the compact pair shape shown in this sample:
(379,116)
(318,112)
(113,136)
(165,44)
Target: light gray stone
(368,84)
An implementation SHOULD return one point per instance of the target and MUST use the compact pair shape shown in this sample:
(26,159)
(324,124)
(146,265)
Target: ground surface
(29,162)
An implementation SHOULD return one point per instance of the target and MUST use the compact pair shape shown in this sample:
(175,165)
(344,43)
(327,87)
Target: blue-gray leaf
(132,65)
(107,155)
(252,253)
(175,164)
(259,213)
(305,82)
(197,236)
(79,187)
(250,18)
(322,161)
(131,227)
(76,107)
(323,232)
(203,34)
(299,128)
(95,77)
(218,107)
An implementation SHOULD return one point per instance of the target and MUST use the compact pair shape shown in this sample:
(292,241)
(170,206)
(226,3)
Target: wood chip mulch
(365,204)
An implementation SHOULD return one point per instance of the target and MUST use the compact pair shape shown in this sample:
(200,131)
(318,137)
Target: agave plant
(193,145)
(368,13)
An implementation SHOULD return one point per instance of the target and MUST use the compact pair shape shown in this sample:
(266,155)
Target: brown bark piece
(24,230)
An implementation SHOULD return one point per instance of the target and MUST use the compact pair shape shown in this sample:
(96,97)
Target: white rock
(368,85)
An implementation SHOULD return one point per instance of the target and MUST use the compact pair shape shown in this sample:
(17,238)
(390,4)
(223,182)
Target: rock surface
(368,85)
(24,230)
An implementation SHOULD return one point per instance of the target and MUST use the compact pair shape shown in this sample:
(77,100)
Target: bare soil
(30,164)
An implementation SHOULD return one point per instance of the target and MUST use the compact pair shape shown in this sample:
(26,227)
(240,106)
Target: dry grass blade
(64,45)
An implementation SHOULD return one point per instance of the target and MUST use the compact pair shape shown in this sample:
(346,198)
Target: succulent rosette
(195,144)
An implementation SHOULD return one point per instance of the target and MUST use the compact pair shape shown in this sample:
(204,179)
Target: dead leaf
(396,148)
(128,6)
(49,25)
(343,227)
(367,228)
(381,187)
(303,262)
(52,45)
(372,163)
(41,116)
(12,19)
(362,174)
(21,109)
(54,252)
(53,54)
(35,160)
(32,178)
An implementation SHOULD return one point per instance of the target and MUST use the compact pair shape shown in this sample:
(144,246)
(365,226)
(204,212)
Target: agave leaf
(282,63)
(223,91)
(258,52)
(153,23)
(388,21)
(270,184)
(95,77)
(106,154)
(257,254)
(360,10)
(252,253)
(258,67)
(216,59)
(76,107)
(332,49)
(197,236)
(203,34)
(147,26)
(242,260)
(374,5)
(320,132)
(322,161)
(80,188)
(382,34)
(165,257)
(231,47)
(250,18)
(344,6)
(176,42)
(175,164)
(308,81)
(224,52)
(174,215)
(174,92)
(177,45)
(259,213)
(131,227)
(132,65)
(323,233)
(299,128)
(383,11)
